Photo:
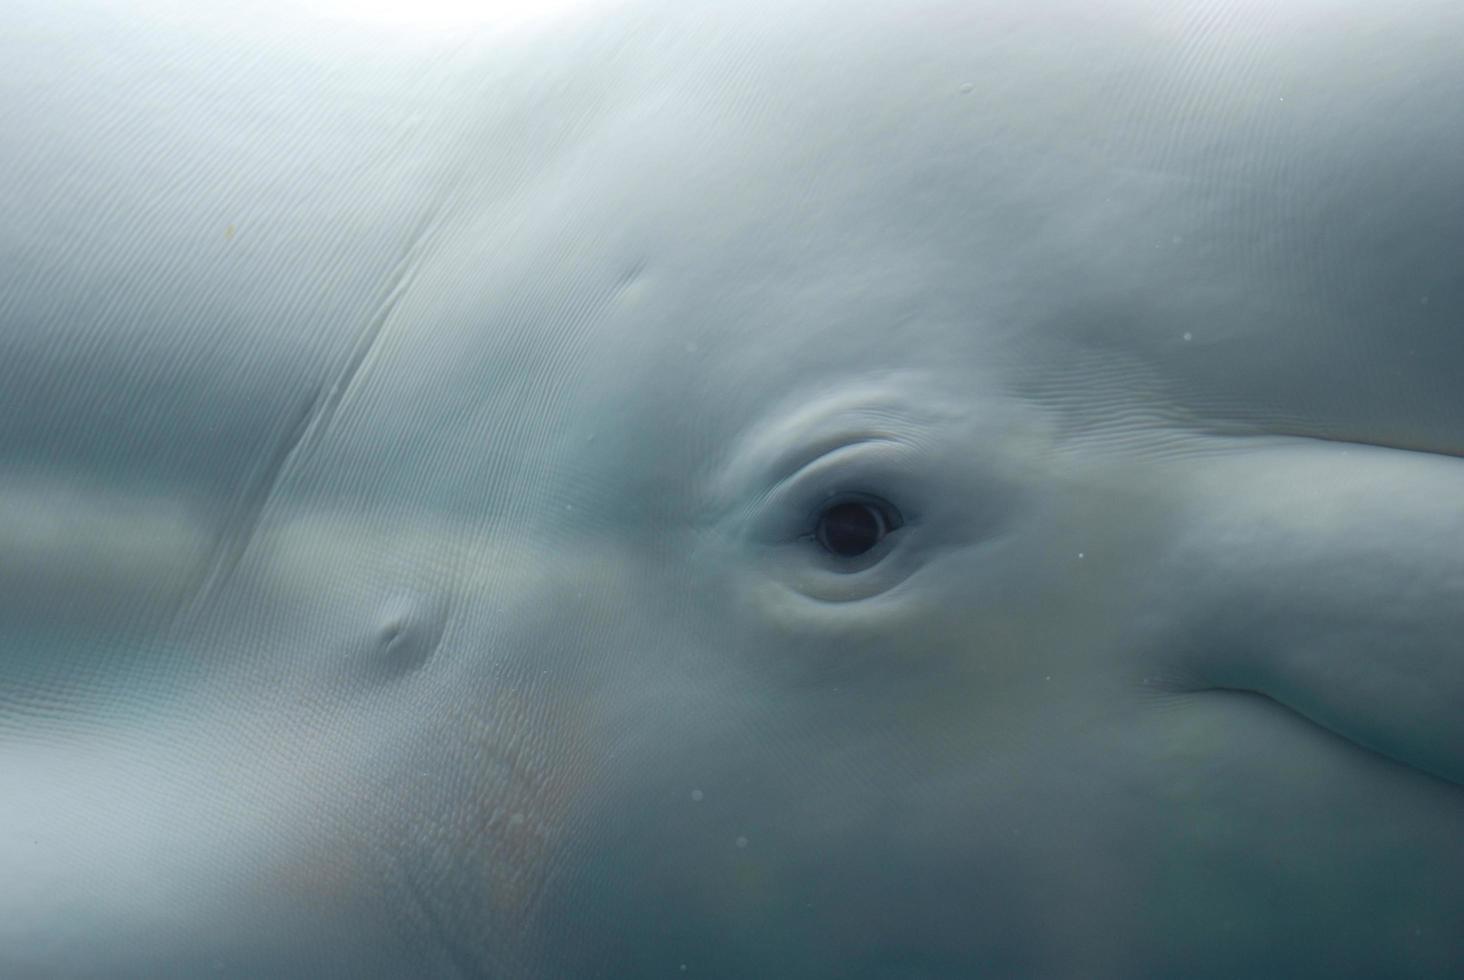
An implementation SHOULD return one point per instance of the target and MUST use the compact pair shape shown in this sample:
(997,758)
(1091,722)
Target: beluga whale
(788,489)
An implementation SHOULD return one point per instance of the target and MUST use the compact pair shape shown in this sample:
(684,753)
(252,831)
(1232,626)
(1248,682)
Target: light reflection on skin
(430,16)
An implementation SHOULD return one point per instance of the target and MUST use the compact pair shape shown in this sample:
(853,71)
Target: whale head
(903,490)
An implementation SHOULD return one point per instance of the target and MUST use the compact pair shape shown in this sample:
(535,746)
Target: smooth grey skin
(413,429)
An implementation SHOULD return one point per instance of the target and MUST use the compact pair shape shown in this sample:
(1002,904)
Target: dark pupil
(850,529)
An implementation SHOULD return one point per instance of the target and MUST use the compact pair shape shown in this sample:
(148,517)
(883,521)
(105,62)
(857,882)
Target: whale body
(927,490)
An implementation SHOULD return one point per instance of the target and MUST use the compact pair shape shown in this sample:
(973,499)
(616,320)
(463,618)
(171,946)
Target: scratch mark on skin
(461,960)
(309,423)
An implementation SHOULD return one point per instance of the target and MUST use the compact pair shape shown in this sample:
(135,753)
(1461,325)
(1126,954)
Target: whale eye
(849,528)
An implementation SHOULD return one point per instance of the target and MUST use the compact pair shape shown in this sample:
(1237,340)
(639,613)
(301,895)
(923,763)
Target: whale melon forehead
(1126,215)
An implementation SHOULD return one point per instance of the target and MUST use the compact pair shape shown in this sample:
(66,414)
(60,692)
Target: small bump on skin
(407,633)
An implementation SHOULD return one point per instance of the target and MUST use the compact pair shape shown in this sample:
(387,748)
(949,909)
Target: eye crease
(850,528)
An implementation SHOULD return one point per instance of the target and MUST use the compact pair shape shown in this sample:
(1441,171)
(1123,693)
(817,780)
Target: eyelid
(827,452)
(824,418)
(847,468)
(878,470)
